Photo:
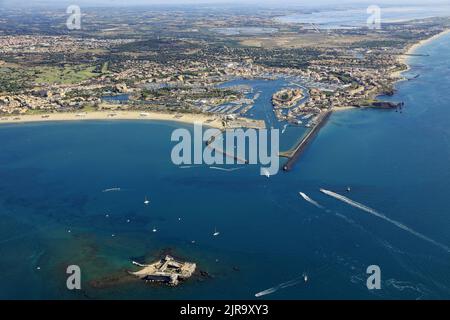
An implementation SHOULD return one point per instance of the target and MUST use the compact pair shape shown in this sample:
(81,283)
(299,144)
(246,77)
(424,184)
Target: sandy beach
(410,50)
(189,118)
(334,109)
(404,60)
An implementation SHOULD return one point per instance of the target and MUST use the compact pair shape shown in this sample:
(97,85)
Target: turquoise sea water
(52,176)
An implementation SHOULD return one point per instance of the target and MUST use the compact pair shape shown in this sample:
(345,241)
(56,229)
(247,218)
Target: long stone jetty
(295,153)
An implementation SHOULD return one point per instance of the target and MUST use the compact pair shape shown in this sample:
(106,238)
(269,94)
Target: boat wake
(315,203)
(382,216)
(139,264)
(225,169)
(280,286)
(265,172)
(112,190)
(350,221)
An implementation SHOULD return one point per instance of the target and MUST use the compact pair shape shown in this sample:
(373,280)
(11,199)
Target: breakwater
(297,151)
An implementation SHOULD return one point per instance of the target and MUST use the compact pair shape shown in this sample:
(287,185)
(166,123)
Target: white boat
(304,196)
(305,278)
(154,230)
(146,201)
(216,233)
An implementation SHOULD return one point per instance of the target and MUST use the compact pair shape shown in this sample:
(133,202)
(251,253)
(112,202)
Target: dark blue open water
(52,177)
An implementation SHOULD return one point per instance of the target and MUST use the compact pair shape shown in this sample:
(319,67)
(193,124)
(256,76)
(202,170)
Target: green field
(14,79)
(64,75)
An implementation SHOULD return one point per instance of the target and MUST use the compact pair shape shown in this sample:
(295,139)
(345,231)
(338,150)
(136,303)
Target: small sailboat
(154,230)
(305,277)
(216,233)
(146,201)
(349,189)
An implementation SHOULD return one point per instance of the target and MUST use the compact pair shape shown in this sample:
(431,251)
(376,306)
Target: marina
(88,176)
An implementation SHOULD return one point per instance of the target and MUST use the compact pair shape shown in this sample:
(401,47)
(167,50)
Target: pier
(416,54)
(226,154)
(295,153)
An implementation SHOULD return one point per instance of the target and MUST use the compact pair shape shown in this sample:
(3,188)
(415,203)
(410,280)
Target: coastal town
(42,75)
(224,150)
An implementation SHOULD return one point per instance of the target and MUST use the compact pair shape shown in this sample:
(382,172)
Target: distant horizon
(286,3)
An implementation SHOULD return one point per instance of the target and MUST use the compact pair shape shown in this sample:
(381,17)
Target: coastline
(189,118)
(294,154)
(338,109)
(403,58)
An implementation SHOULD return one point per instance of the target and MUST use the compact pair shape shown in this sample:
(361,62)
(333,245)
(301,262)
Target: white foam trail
(382,216)
(112,189)
(304,196)
(266,172)
(139,264)
(225,169)
(265,292)
(345,218)
(280,286)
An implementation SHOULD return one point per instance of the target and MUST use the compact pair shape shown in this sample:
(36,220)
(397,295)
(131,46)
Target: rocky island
(167,270)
